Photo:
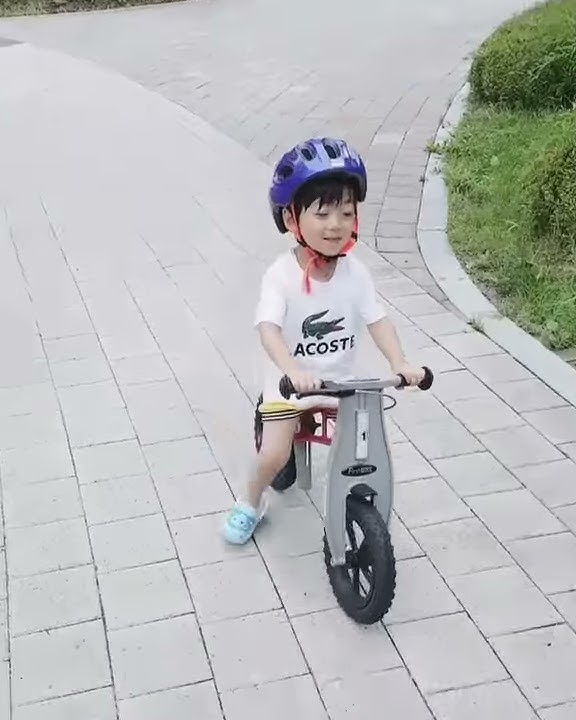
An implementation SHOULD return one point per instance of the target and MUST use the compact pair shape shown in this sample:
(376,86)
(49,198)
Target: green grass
(9,8)
(487,165)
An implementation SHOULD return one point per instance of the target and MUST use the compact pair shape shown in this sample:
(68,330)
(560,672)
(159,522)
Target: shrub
(529,63)
(550,185)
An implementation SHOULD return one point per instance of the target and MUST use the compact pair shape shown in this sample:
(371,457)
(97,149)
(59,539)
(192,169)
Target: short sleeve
(272,303)
(371,306)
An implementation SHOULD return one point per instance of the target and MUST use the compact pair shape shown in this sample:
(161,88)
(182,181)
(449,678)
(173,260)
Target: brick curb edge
(451,277)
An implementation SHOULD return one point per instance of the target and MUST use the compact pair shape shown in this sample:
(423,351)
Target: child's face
(327,228)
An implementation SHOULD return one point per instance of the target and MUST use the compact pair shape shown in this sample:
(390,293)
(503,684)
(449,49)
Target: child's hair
(328,190)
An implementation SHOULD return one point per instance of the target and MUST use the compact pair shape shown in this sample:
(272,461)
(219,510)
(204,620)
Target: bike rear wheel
(364,587)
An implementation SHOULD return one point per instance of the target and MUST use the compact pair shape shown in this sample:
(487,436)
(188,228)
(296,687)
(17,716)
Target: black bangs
(331,189)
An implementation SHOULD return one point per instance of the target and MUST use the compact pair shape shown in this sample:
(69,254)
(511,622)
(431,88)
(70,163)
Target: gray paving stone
(160,412)
(302,583)
(469,344)
(96,398)
(130,543)
(283,699)
(420,593)
(276,537)
(461,547)
(526,395)
(96,428)
(52,600)
(494,369)
(21,373)
(4,631)
(554,483)
(119,499)
(484,414)
(41,502)
(437,358)
(81,372)
(2,574)
(27,399)
(446,652)
(565,603)
(329,639)
(497,701)
(78,347)
(200,541)
(231,589)
(112,460)
(182,703)
(144,594)
(415,305)
(409,464)
(427,502)
(128,344)
(359,696)
(503,601)
(5,689)
(560,712)
(519,446)
(252,650)
(180,457)
(556,424)
(405,546)
(569,449)
(514,514)
(43,548)
(157,656)
(549,560)
(22,431)
(201,494)
(82,663)
(458,385)
(440,324)
(475,474)
(541,662)
(444,438)
(92,705)
(567,515)
(142,369)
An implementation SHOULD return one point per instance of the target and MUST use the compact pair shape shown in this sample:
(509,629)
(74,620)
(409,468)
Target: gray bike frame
(360,445)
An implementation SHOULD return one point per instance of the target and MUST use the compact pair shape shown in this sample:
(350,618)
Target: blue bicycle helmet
(308,160)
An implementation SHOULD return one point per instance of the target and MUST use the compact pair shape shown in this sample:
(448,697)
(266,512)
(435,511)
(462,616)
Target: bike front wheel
(364,586)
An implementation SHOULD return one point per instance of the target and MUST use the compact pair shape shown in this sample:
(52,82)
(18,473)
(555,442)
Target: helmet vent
(284,172)
(331,150)
(308,153)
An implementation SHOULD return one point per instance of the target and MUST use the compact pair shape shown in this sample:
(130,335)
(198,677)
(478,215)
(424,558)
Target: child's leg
(274,453)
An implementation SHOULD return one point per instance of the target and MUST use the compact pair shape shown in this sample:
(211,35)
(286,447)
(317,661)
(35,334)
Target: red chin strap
(315,258)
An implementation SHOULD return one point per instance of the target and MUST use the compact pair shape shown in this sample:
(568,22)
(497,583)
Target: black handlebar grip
(286,387)
(424,384)
(427,380)
(403,382)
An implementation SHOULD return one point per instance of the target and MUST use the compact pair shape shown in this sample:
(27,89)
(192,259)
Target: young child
(314,300)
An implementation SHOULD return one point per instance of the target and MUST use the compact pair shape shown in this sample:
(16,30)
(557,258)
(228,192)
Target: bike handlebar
(343,389)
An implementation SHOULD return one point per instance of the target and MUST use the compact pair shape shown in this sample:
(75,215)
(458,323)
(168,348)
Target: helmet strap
(315,258)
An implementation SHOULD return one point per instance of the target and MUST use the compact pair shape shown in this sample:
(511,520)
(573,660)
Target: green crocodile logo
(315,327)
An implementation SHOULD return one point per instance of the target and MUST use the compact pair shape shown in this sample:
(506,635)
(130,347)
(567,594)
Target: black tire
(373,559)
(287,476)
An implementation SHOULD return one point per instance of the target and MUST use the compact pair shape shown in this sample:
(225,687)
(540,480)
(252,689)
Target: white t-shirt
(320,328)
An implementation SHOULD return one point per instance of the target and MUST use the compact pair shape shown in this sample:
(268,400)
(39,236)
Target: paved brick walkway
(128,272)
(386,91)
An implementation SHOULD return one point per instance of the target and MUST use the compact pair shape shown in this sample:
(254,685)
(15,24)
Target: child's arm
(387,341)
(273,342)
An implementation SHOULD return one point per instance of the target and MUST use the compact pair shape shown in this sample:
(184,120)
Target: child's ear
(289,220)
